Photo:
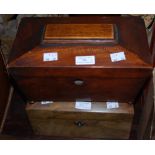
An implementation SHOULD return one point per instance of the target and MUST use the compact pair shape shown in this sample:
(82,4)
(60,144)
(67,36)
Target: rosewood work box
(93,60)
(64,59)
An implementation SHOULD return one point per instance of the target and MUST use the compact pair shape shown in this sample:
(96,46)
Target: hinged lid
(127,33)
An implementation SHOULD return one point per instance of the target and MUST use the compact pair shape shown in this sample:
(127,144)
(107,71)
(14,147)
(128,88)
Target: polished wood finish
(79,31)
(31,30)
(58,33)
(105,80)
(147,106)
(63,120)
(65,116)
(94,88)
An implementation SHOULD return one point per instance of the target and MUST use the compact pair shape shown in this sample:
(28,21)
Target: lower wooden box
(62,119)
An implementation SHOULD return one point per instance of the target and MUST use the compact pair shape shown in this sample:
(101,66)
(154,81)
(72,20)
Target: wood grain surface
(61,32)
(54,80)
(63,120)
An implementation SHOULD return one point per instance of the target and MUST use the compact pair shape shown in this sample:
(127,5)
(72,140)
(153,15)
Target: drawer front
(69,89)
(82,128)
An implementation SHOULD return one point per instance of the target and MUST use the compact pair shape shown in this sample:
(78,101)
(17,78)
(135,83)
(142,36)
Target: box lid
(71,37)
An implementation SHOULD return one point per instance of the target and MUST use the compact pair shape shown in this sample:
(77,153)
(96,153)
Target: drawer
(70,88)
(82,128)
(61,119)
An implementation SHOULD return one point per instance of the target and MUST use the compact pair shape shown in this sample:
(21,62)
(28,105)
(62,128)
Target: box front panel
(70,89)
(89,129)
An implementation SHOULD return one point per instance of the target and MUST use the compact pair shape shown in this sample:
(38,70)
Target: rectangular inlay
(79,31)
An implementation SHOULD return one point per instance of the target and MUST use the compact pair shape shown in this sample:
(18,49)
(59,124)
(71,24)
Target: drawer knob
(79,123)
(79,82)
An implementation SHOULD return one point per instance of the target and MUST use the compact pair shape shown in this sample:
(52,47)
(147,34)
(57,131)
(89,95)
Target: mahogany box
(69,58)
